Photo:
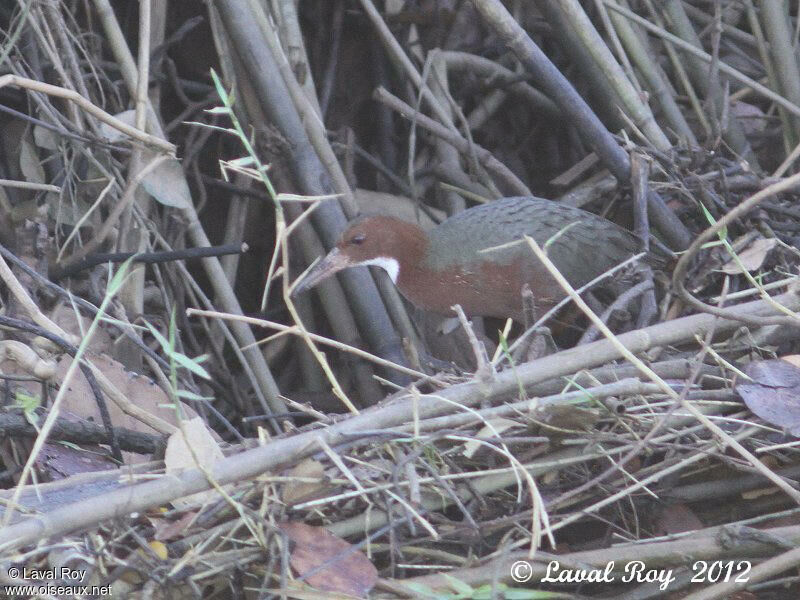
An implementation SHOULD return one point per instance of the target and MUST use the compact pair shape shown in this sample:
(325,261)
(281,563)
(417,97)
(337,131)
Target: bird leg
(485,370)
(648,308)
(620,303)
(534,345)
(422,360)
(528,306)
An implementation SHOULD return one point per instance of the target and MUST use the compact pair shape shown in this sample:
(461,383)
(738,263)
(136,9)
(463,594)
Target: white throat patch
(390,265)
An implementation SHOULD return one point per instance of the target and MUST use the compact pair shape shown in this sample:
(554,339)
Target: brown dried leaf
(303,592)
(79,402)
(752,118)
(169,530)
(205,452)
(140,390)
(64,316)
(59,461)
(792,358)
(346,570)
(492,429)
(295,492)
(774,393)
(751,257)
(167,182)
(677,518)
(568,417)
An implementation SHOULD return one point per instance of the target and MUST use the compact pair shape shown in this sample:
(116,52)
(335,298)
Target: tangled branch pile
(176,424)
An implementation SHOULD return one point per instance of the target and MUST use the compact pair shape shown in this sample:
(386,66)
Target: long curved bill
(334,262)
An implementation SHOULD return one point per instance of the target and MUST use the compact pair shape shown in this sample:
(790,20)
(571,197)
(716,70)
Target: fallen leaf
(65,316)
(751,495)
(61,460)
(167,182)
(751,257)
(29,162)
(492,429)
(140,390)
(205,452)
(301,591)
(159,548)
(168,530)
(330,563)
(568,417)
(677,518)
(774,393)
(45,138)
(295,492)
(112,134)
(751,118)
(792,358)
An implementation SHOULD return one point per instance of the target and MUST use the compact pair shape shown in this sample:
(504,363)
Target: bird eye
(358,239)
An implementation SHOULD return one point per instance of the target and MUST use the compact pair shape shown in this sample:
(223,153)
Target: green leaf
(119,323)
(192,396)
(460,586)
(173,328)
(218,85)
(242,161)
(484,592)
(165,345)
(722,233)
(424,591)
(119,278)
(504,343)
(28,404)
(520,594)
(210,126)
(67,444)
(190,364)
